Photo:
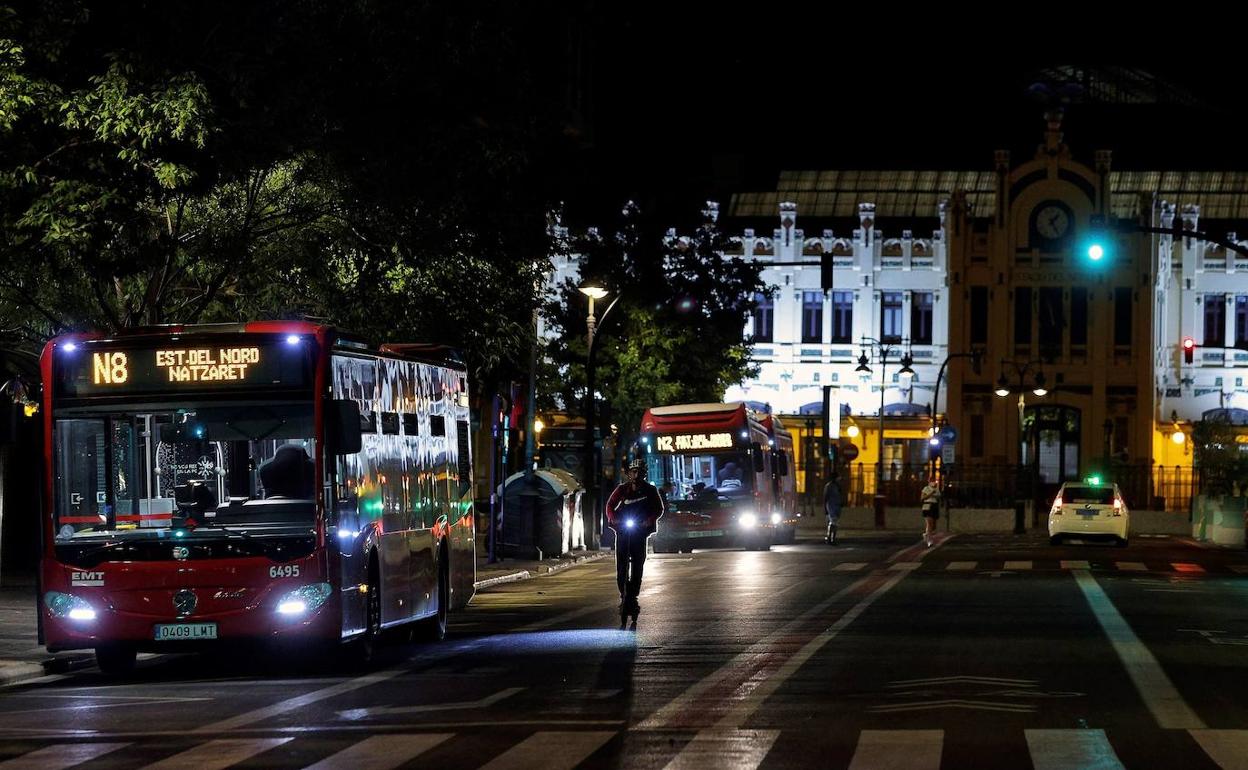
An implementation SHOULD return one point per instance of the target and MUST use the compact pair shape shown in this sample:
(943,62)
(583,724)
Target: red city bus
(274,481)
(725,473)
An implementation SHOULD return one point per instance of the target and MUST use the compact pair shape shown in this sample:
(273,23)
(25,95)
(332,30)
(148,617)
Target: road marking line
(714,749)
(1240,568)
(851,566)
(381,752)
(962,679)
(1131,566)
(219,754)
(1155,688)
(59,757)
(1075,565)
(962,565)
(904,566)
(889,749)
(1227,748)
(486,702)
(1183,566)
(954,703)
(550,751)
(298,702)
(1017,565)
(756,654)
(1062,749)
(756,692)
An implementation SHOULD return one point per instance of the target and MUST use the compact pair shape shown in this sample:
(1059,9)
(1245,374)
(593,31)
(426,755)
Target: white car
(1089,509)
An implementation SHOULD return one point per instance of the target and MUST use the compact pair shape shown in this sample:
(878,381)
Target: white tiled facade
(869,266)
(1193,275)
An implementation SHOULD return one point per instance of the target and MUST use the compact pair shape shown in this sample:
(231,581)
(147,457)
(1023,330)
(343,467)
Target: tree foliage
(381,166)
(674,334)
(1222,466)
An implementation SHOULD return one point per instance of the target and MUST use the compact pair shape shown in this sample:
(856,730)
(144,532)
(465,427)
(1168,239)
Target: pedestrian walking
(929,498)
(832,508)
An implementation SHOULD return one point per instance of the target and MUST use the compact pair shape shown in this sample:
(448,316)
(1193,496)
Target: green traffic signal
(1096,252)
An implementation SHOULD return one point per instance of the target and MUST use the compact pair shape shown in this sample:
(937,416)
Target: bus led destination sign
(116,371)
(689,442)
(181,365)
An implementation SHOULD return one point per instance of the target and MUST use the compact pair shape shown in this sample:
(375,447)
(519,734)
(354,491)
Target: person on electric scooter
(633,511)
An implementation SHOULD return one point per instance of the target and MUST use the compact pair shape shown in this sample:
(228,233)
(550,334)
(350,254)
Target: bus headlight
(303,599)
(776,518)
(629,524)
(748,520)
(68,606)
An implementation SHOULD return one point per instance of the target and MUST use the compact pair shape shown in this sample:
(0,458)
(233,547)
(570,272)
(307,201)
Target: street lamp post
(884,349)
(976,356)
(591,467)
(1038,388)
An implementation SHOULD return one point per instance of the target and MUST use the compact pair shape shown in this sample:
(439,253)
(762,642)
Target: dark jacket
(832,499)
(642,504)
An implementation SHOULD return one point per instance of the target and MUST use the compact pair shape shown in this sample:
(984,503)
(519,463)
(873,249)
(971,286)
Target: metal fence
(1144,487)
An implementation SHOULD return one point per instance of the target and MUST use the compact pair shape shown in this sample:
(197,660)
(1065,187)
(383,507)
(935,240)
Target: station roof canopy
(910,194)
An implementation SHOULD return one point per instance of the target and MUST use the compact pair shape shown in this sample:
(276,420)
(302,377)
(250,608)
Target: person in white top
(929,498)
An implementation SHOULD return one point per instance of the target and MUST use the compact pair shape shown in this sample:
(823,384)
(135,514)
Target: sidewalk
(511,570)
(21,655)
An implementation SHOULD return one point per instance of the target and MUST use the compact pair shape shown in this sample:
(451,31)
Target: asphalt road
(984,651)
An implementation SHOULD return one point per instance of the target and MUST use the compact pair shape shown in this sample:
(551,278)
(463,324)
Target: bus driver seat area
(289,481)
(290,474)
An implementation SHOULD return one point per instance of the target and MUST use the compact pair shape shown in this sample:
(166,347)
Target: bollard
(1020,515)
(879,511)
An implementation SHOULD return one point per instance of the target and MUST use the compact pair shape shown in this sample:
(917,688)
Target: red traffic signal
(1189,348)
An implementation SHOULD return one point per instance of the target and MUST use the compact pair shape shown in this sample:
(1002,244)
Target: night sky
(685,108)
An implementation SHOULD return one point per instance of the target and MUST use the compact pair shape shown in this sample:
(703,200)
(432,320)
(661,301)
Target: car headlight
(68,606)
(776,518)
(304,599)
(748,520)
(629,524)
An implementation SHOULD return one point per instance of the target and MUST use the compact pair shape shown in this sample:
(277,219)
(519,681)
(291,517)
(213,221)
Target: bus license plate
(171,632)
(706,533)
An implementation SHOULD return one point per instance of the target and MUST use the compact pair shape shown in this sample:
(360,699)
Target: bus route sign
(690,442)
(208,366)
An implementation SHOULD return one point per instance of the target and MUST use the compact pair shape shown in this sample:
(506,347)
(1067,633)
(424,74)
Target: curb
(21,672)
(543,569)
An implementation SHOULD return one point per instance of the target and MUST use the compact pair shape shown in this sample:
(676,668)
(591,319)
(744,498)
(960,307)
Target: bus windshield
(140,472)
(703,476)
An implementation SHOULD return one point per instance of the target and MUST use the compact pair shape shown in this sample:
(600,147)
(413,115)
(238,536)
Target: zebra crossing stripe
(1063,749)
(1159,693)
(218,754)
(62,756)
(1075,565)
(904,566)
(550,750)
(1227,748)
(961,565)
(1183,566)
(381,752)
(1019,565)
(1240,568)
(1131,566)
(714,749)
(889,749)
(849,566)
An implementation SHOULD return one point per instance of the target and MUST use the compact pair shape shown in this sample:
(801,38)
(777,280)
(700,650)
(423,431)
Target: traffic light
(825,271)
(1189,349)
(1095,245)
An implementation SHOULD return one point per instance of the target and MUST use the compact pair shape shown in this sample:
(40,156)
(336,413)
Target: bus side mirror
(342,427)
(783,463)
(756,452)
